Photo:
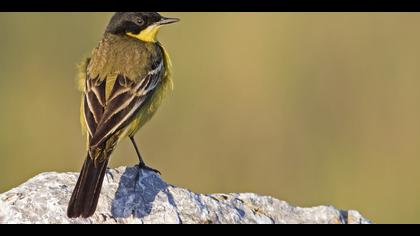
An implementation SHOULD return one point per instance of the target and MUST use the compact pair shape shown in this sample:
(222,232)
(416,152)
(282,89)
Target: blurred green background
(307,107)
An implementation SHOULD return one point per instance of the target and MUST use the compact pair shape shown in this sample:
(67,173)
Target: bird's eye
(140,21)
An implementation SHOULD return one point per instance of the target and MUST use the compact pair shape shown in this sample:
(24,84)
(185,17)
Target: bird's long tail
(84,199)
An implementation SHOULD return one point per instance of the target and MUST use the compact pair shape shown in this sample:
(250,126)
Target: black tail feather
(84,199)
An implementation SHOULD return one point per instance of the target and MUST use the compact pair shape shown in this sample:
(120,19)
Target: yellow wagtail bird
(123,84)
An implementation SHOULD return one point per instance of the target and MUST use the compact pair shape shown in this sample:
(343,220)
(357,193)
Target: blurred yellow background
(307,107)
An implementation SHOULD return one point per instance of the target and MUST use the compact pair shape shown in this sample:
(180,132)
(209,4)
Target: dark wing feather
(125,100)
(94,104)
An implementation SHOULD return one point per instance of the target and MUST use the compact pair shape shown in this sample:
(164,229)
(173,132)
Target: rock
(133,196)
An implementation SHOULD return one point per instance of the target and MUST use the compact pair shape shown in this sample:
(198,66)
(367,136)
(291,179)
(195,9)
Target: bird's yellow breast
(150,107)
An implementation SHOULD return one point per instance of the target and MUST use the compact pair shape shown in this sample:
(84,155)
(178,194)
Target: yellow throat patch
(147,35)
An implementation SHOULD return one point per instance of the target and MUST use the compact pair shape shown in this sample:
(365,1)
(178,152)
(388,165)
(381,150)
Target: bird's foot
(145,167)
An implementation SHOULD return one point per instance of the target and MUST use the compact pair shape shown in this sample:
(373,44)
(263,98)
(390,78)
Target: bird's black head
(134,23)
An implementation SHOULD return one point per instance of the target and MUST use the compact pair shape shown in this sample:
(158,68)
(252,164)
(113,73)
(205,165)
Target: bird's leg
(142,164)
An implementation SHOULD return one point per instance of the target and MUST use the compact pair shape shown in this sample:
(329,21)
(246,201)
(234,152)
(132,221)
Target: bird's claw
(145,167)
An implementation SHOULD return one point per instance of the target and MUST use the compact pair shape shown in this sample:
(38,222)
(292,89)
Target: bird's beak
(166,21)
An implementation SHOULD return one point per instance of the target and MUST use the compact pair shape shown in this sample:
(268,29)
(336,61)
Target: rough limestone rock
(133,196)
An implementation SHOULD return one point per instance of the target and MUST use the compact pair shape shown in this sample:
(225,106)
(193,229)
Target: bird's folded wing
(107,115)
